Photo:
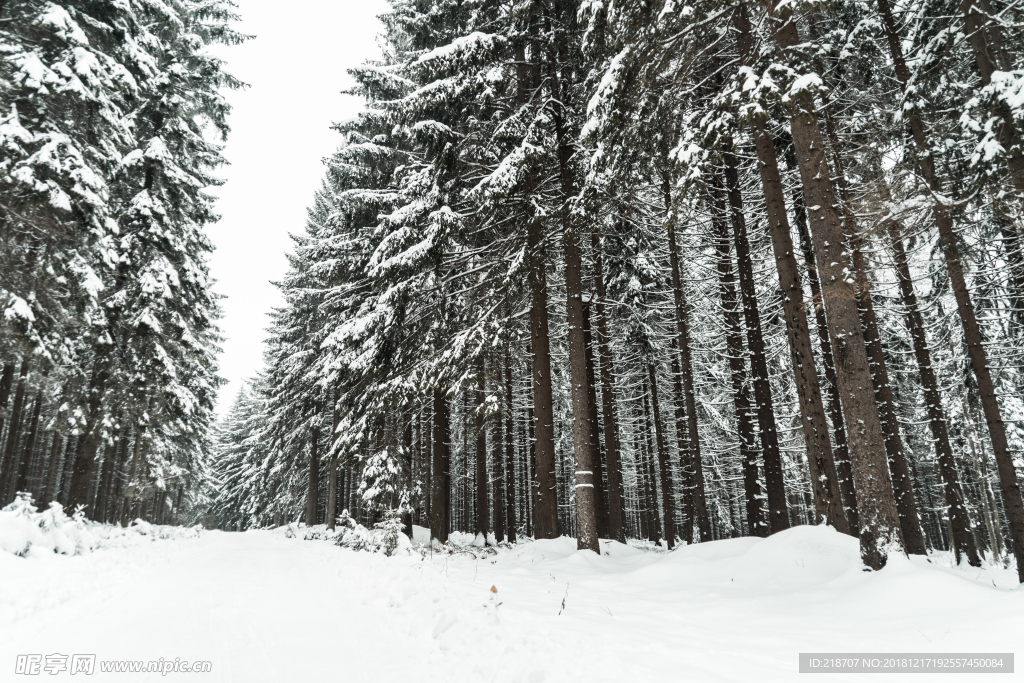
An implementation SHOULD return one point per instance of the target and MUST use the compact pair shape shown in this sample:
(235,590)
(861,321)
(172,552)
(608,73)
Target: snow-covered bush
(385,537)
(24,528)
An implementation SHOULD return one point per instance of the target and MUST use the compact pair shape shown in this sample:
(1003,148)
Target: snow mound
(26,531)
(386,537)
(788,560)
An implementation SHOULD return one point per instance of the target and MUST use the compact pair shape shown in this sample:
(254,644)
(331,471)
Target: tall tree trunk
(906,506)
(695,465)
(880,531)
(1012,501)
(441,491)
(963,539)
(778,519)
(600,493)
(332,482)
(128,493)
(482,508)
(586,518)
(650,485)
(50,484)
(545,509)
(406,416)
(314,476)
(110,455)
(13,434)
(734,348)
(613,458)
(6,382)
(664,467)
(498,469)
(688,516)
(509,460)
(28,453)
(827,499)
(89,440)
(844,469)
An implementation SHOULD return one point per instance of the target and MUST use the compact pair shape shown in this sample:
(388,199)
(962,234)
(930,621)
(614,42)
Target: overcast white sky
(295,67)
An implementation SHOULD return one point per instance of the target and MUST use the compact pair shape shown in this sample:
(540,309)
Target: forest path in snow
(262,607)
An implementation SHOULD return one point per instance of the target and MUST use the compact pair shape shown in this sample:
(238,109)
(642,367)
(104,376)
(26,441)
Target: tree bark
(441,503)
(482,508)
(778,519)
(827,500)
(753,494)
(880,531)
(50,484)
(13,433)
(88,441)
(21,483)
(509,461)
(600,493)
(497,466)
(963,539)
(331,513)
(1012,501)
(314,476)
(903,488)
(694,464)
(586,518)
(844,469)
(664,467)
(613,458)
(650,485)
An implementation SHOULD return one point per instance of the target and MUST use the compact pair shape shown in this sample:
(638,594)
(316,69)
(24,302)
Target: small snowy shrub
(388,531)
(23,527)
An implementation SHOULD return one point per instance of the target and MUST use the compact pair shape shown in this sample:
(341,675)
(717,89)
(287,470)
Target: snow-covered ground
(263,607)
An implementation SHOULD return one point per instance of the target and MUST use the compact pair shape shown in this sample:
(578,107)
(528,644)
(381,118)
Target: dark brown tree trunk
(880,525)
(49,486)
(844,469)
(545,508)
(482,508)
(406,417)
(428,464)
(128,493)
(586,517)
(906,506)
(650,485)
(600,494)
(756,523)
(1012,502)
(331,514)
(827,499)
(498,479)
(613,459)
(688,514)
(509,460)
(7,469)
(110,455)
(28,452)
(89,440)
(6,382)
(441,492)
(314,476)
(664,467)
(694,463)
(778,519)
(963,539)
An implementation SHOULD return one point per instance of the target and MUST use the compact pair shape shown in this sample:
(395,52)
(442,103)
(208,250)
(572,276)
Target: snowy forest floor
(263,607)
